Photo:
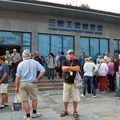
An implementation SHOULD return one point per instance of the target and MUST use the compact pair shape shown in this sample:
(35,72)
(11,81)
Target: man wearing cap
(70,66)
(26,83)
(16,59)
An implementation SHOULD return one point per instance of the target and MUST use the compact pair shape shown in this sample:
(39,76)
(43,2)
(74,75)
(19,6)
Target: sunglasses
(71,53)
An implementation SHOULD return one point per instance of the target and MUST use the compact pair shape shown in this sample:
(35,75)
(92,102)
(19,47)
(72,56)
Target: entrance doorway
(9,48)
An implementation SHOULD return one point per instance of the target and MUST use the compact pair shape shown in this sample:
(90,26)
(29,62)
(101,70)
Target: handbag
(17,104)
(78,81)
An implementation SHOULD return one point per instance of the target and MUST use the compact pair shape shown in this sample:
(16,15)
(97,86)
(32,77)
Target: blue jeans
(50,73)
(118,92)
(90,79)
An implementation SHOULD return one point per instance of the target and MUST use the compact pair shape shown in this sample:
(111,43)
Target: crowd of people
(97,75)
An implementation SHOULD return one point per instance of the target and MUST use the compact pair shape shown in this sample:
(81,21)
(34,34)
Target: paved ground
(104,107)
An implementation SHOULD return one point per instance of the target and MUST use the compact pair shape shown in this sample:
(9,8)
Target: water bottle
(12,107)
(78,85)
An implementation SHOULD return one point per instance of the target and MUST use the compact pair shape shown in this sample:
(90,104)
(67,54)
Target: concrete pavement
(50,104)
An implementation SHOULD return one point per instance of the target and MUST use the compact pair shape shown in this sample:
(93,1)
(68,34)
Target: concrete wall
(35,23)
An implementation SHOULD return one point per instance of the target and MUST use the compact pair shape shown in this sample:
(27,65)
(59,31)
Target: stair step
(50,88)
(40,88)
(43,85)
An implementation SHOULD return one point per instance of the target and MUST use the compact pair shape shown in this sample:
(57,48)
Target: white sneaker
(25,118)
(103,92)
(82,95)
(36,115)
(94,96)
(117,97)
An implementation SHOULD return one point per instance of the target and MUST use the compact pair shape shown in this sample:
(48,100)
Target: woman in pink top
(111,75)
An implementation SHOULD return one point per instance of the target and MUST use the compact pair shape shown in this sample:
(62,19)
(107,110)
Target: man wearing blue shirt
(26,82)
(4,72)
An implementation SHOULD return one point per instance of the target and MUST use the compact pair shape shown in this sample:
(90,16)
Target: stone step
(40,84)
(50,88)
(12,90)
(43,85)
(42,81)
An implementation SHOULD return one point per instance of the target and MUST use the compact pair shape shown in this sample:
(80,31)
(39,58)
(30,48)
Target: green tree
(84,5)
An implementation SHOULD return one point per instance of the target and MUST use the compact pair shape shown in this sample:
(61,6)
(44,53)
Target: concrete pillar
(77,46)
(34,43)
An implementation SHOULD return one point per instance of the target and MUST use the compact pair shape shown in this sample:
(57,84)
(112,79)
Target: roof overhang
(58,10)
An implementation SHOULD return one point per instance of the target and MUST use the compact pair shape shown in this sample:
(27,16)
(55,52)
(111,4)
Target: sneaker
(94,96)
(2,106)
(53,80)
(36,115)
(6,105)
(103,92)
(82,95)
(25,118)
(117,97)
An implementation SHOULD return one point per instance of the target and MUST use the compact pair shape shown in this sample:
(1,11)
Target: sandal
(64,113)
(75,114)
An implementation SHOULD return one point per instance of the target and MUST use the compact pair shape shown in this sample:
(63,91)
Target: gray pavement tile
(50,104)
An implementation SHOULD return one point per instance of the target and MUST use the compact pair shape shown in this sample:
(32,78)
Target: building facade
(49,27)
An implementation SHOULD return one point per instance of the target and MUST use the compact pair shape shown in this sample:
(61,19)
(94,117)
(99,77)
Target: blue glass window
(56,44)
(67,43)
(94,47)
(116,47)
(24,48)
(84,45)
(116,44)
(26,38)
(103,46)
(22,40)
(10,38)
(44,44)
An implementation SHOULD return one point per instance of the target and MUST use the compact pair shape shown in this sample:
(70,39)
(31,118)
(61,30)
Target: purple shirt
(111,68)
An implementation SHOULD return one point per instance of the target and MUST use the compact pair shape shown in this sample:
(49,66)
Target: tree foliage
(84,5)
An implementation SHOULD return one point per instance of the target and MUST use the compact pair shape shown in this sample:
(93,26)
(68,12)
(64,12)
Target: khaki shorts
(3,88)
(28,89)
(69,89)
